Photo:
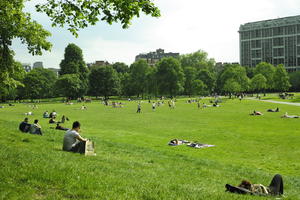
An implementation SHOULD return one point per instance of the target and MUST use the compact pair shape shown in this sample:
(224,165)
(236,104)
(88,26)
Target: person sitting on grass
(289,116)
(24,125)
(52,120)
(35,128)
(73,142)
(245,187)
(273,110)
(256,113)
(46,114)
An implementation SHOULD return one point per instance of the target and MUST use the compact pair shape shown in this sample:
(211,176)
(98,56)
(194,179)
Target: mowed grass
(134,161)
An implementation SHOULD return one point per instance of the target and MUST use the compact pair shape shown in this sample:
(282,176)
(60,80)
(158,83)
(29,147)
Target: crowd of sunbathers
(286,115)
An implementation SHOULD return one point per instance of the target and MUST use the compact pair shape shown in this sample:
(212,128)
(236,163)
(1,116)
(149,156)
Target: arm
(81,138)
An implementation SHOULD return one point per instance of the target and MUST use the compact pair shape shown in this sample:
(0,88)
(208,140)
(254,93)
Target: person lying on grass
(273,110)
(176,142)
(256,113)
(289,116)
(35,128)
(24,125)
(73,141)
(246,187)
(59,127)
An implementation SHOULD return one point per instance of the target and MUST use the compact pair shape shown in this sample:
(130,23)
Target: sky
(184,27)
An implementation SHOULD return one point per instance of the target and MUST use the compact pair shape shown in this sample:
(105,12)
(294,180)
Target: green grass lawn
(275,97)
(134,161)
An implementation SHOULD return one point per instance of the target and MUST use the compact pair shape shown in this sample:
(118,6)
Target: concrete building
(37,65)
(276,41)
(154,57)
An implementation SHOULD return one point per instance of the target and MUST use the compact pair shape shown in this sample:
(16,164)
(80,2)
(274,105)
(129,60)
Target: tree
(73,63)
(170,76)
(295,80)
(79,14)
(190,76)
(38,83)
(199,88)
(8,88)
(69,85)
(120,67)
(208,78)
(258,83)
(281,79)
(14,23)
(197,60)
(232,86)
(235,73)
(138,73)
(104,81)
(268,71)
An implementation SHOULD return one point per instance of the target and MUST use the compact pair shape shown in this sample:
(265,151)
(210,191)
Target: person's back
(24,126)
(69,139)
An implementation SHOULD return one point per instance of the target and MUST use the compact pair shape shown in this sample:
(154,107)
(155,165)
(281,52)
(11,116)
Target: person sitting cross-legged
(73,141)
(35,128)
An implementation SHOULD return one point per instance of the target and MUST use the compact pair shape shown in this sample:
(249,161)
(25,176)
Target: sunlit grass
(134,161)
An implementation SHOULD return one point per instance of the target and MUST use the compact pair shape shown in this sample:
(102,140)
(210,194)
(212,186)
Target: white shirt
(70,139)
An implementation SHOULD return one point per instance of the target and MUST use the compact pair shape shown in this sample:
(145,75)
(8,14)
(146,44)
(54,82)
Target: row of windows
(270,32)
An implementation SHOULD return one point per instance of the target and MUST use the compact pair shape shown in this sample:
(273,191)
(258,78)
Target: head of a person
(36,121)
(26,119)
(76,125)
(245,184)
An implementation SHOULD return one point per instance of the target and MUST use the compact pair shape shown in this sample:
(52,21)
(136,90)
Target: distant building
(276,41)
(154,57)
(55,70)
(26,67)
(98,63)
(37,65)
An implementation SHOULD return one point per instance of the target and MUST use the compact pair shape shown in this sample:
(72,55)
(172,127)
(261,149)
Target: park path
(279,102)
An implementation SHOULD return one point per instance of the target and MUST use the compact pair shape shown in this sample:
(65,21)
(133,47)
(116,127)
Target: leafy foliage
(69,85)
(258,83)
(281,79)
(79,14)
(104,81)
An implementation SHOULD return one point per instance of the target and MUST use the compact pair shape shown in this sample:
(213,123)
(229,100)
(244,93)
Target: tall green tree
(190,76)
(69,85)
(73,63)
(268,70)
(15,23)
(170,76)
(281,79)
(104,80)
(235,73)
(209,79)
(38,83)
(120,67)
(199,88)
(76,14)
(232,86)
(258,83)
(198,60)
(295,81)
(138,72)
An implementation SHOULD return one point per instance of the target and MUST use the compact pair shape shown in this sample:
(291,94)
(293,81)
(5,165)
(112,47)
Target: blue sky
(184,27)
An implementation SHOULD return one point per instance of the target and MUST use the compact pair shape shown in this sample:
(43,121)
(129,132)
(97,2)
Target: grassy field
(134,161)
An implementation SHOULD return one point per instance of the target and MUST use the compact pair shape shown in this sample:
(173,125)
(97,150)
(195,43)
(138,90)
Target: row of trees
(190,74)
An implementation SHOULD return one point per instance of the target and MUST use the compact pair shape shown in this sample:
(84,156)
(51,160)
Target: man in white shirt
(73,141)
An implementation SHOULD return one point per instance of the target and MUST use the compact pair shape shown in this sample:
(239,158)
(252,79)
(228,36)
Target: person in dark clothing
(24,126)
(59,127)
(275,188)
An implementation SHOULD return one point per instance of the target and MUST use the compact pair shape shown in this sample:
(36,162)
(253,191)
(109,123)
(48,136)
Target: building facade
(154,57)
(276,41)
